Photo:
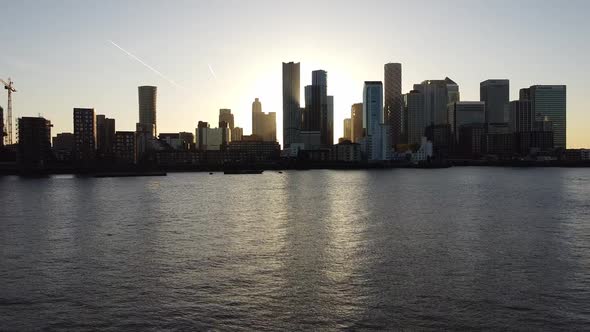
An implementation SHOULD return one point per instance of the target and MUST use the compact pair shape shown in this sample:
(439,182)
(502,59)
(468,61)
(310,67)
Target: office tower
(496,94)
(291,108)
(85,134)
(463,113)
(263,125)
(436,99)
(373,120)
(34,142)
(524,94)
(147,107)
(226,116)
(356,117)
(549,103)
(237,133)
(105,135)
(124,147)
(393,103)
(319,108)
(522,117)
(328,124)
(418,118)
(452,91)
(347,126)
(2,133)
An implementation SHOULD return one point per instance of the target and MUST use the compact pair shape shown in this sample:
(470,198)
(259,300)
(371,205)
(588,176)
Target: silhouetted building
(63,146)
(393,103)
(524,94)
(376,140)
(436,99)
(452,91)
(522,117)
(263,125)
(105,135)
(549,102)
(84,134)
(441,138)
(356,127)
(188,139)
(226,116)
(124,147)
(34,142)
(147,107)
(532,142)
(174,141)
(496,94)
(418,120)
(577,154)
(253,151)
(470,139)
(319,108)
(291,108)
(144,141)
(465,112)
(311,140)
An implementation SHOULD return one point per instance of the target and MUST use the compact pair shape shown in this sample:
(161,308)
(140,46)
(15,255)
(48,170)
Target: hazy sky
(59,54)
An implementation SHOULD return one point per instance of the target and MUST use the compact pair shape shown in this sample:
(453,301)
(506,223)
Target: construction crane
(8,86)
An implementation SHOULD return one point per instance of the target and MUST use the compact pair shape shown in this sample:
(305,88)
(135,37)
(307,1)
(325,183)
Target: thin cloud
(212,72)
(146,65)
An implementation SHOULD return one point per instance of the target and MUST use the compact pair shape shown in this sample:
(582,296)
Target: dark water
(460,248)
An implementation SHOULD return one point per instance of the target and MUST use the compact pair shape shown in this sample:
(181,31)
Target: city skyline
(206,84)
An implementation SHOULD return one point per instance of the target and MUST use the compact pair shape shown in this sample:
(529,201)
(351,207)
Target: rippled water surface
(459,248)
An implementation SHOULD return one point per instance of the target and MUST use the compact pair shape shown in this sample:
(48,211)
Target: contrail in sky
(212,72)
(148,66)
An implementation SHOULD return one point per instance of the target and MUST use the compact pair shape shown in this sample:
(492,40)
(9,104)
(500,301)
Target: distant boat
(243,171)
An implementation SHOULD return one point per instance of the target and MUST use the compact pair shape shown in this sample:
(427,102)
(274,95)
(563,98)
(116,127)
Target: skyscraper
(463,113)
(328,124)
(291,109)
(263,125)
(394,115)
(418,118)
(356,117)
(549,103)
(522,117)
(226,116)
(319,108)
(105,135)
(496,94)
(85,134)
(373,120)
(436,99)
(147,106)
(347,128)
(452,90)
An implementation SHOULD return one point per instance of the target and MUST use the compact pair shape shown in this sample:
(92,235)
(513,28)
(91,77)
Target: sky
(207,55)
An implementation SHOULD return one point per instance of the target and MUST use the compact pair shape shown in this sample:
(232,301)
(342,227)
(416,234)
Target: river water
(459,248)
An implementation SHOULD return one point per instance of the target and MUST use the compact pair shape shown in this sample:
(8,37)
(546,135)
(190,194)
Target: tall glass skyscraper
(549,103)
(394,115)
(496,95)
(291,109)
(147,107)
(373,120)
